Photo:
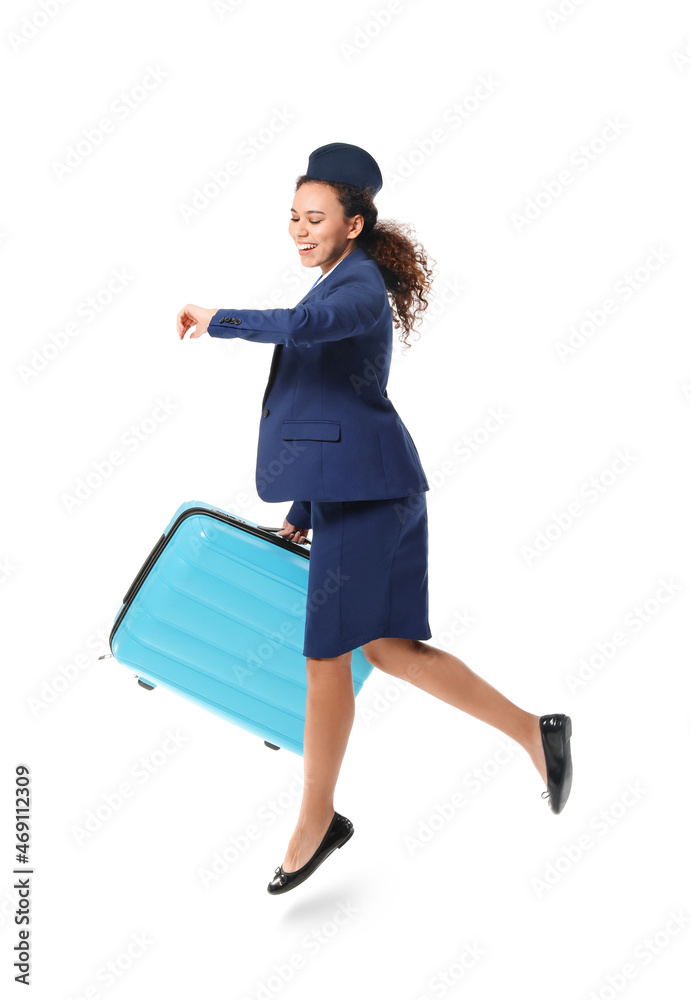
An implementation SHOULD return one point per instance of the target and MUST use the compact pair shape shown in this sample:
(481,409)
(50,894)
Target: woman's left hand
(190,315)
(293,533)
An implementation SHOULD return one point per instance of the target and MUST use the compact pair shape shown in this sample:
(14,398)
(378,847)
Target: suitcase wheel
(271,745)
(145,685)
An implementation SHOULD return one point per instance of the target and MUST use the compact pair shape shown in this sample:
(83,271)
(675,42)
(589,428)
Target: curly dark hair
(403,262)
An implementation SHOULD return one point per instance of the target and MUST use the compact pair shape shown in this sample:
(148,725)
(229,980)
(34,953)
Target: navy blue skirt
(367,573)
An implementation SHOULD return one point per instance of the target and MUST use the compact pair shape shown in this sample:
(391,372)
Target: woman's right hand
(190,315)
(292,532)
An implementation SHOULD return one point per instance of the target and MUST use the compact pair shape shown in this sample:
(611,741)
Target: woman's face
(317,221)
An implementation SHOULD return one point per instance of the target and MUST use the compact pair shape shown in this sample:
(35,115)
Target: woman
(329,434)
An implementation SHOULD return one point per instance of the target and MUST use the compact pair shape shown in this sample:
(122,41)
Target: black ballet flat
(556,742)
(340,830)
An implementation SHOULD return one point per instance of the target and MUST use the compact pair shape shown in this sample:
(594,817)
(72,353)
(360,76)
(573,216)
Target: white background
(501,878)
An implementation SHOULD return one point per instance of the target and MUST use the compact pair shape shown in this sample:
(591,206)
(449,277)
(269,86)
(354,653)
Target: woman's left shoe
(340,830)
(556,742)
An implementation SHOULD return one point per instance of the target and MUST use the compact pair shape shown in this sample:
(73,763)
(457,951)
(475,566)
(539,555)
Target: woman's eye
(312,223)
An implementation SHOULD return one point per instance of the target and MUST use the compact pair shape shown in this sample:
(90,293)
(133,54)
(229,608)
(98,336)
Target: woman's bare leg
(329,716)
(450,679)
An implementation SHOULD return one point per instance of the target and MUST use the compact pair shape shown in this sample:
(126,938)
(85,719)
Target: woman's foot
(338,833)
(305,841)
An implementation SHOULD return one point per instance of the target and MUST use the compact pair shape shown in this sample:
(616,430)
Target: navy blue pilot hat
(340,161)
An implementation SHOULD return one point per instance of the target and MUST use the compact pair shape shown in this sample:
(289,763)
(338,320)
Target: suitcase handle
(165,537)
(308,541)
(154,554)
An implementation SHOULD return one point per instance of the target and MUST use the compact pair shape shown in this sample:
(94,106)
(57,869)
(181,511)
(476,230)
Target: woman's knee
(372,651)
(392,655)
(325,662)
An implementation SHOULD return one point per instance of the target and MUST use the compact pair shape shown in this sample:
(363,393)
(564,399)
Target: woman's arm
(298,522)
(352,308)
(300,514)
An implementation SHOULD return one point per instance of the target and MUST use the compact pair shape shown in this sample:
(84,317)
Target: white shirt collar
(322,276)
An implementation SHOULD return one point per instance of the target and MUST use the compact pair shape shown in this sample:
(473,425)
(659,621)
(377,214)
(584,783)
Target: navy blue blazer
(328,430)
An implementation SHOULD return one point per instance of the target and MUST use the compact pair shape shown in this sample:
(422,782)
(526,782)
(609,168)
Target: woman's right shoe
(556,742)
(340,830)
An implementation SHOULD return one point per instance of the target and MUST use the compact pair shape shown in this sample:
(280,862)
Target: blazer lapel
(357,254)
(272,373)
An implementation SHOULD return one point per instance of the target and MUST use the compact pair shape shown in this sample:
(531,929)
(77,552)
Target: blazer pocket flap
(313,430)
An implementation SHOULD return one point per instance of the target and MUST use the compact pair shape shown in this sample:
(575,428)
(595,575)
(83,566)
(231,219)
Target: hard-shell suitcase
(217,614)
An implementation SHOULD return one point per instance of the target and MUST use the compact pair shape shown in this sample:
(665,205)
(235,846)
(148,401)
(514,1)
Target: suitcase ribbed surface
(217,613)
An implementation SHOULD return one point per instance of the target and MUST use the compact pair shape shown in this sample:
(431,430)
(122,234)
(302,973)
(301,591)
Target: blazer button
(266,413)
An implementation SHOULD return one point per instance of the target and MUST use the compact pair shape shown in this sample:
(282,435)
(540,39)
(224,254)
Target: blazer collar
(354,257)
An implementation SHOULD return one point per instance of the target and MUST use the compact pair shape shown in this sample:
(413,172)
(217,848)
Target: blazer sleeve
(300,514)
(352,307)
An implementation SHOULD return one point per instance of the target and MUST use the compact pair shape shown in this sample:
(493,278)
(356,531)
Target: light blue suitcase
(217,614)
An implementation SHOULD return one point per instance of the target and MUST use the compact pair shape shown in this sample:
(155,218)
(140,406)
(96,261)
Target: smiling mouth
(304,248)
